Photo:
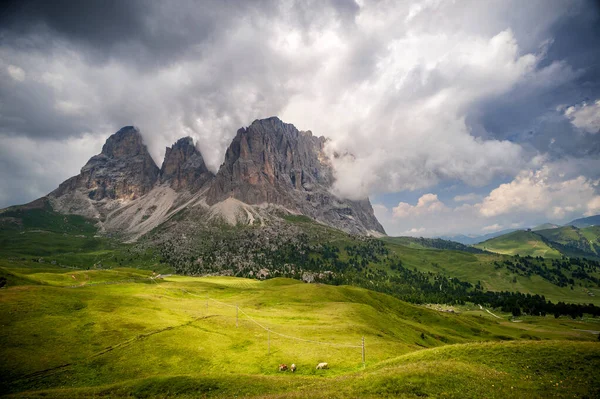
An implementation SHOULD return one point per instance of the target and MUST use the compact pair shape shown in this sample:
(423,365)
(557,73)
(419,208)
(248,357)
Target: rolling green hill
(570,238)
(567,241)
(158,337)
(521,243)
(83,315)
(433,243)
(404,267)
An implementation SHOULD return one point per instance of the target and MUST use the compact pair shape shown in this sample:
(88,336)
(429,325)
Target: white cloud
(493,227)
(585,116)
(406,126)
(427,204)
(393,83)
(16,73)
(554,192)
(543,191)
(593,206)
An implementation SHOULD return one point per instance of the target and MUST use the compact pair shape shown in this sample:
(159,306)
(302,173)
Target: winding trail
(496,316)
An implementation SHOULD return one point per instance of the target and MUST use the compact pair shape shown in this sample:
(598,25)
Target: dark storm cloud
(531,113)
(422,92)
(146,34)
(149,33)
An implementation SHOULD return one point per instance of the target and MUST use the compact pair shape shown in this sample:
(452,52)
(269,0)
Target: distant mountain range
(471,240)
(476,239)
(585,222)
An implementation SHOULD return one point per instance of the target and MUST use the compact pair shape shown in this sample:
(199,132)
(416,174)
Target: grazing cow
(322,366)
(283,367)
(293,368)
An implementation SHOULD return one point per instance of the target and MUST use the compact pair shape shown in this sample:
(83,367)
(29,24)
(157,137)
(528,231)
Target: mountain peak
(123,170)
(273,162)
(184,141)
(184,166)
(124,143)
(268,162)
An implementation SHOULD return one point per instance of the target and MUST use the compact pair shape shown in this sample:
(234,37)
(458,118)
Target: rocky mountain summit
(273,162)
(184,167)
(123,170)
(271,168)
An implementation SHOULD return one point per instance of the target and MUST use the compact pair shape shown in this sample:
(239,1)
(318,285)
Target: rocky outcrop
(267,160)
(123,170)
(273,162)
(269,163)
(184,167)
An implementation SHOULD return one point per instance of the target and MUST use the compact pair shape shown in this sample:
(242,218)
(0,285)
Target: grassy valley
(86,315)
(159,337)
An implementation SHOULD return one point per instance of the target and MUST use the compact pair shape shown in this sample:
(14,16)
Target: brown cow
(283,367)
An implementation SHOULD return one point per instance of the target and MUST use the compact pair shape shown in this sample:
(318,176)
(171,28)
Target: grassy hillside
(158,337)
(82,315)
(39,216)
(404,267)
(433,243)
(572,239)
(556,242)
(521,243)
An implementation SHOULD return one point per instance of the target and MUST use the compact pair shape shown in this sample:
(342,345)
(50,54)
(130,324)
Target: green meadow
(83,315)
(121,333)
(520,242)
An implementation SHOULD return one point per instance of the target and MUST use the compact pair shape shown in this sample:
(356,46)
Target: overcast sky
(461,116)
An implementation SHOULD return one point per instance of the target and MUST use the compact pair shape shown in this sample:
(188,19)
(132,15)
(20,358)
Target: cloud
(16,73)
(555,192)
(585,116)
(29,177)
(409,88)
(543,191)
(406,127)
(427,204)
(493,227)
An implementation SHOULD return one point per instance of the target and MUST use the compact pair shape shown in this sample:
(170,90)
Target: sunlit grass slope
(521,243)
(158,337)
(476,268)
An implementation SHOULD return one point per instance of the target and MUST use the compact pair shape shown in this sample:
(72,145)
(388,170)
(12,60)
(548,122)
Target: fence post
(269,339)
(237,309)
(363,350)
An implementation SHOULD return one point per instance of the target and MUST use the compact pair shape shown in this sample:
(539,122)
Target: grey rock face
(270,162)
(123,170)
(273,162)
(184,167)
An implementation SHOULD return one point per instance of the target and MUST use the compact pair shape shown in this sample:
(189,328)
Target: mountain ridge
(270,165)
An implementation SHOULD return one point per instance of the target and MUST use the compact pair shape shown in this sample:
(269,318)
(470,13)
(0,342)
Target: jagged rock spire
(184,167)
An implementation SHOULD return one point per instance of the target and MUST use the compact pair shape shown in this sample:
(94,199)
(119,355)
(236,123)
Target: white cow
(322,366)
